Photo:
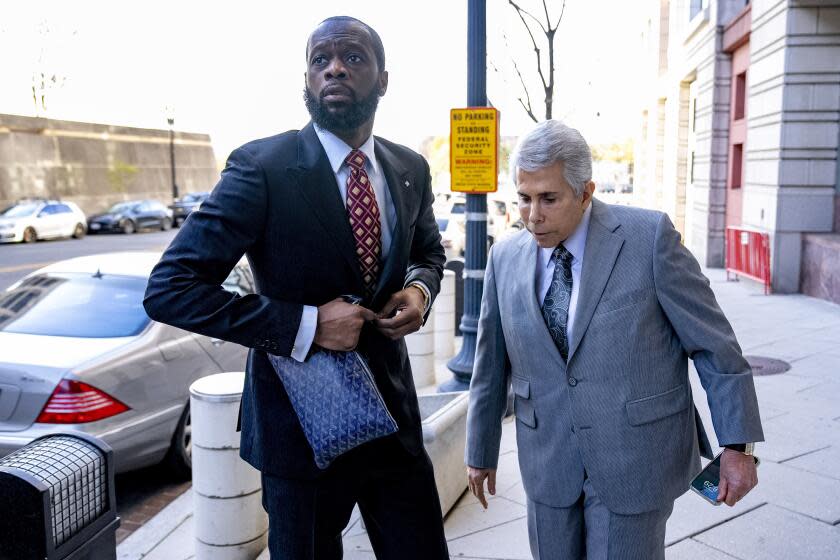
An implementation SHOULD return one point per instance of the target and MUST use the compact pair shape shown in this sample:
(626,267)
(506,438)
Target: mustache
(337,89)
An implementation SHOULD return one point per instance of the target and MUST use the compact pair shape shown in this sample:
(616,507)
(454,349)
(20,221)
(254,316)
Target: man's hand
(340,323)
(476,480)
(408,304)
(737,476)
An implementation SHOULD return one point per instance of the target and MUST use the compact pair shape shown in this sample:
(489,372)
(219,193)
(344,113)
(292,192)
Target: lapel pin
(407,184)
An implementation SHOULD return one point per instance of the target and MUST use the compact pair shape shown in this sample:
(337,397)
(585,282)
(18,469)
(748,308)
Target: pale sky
(234,70)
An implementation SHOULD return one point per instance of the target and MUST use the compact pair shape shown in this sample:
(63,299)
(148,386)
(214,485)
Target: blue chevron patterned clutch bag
(336,401)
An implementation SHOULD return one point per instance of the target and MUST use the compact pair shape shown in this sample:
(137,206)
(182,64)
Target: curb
(145,539)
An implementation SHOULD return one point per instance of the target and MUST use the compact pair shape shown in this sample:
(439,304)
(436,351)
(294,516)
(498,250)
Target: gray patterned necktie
(555,308)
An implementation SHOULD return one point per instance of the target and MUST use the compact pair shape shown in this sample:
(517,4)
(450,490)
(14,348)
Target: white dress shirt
(337,151)
(575,244)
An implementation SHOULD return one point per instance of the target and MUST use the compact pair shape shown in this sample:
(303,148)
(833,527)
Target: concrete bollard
(421,353)
(444,312)
(229,521)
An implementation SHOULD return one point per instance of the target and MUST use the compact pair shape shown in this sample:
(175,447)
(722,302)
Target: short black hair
(378,48)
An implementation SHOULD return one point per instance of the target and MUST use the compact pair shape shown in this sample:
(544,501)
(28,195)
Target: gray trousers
(588,530)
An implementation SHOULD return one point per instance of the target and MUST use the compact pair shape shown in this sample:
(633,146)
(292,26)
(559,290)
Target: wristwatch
(427,297)
(745,448)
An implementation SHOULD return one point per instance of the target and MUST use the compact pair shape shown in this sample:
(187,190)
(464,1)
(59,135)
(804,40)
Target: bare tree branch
(547,18)
(548,84)
(562,11)
(521,11)
(528,108)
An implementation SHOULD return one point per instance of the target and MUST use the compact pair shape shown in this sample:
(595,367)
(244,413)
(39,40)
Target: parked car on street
(131,216)
(453,236)
(79,353)
(185,205)
(32,219)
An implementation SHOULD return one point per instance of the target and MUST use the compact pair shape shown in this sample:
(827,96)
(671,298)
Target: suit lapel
(603,244)
(399,181)
(316,183)
(527,289)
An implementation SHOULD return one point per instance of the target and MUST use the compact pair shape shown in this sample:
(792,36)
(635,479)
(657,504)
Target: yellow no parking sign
(474,149)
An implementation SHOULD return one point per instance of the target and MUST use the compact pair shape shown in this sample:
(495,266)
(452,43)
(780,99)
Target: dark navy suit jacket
(278,203)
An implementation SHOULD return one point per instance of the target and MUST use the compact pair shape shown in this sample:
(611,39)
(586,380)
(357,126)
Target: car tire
(79,231)
(165,224)
(178,460)
(127,227)
(30,235)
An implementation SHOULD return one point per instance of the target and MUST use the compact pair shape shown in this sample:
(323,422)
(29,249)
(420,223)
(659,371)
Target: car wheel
(128,227)
(178,460)
(78,231)
(29,235)
(165,224)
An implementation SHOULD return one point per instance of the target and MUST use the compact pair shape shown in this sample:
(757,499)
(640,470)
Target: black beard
(357,114)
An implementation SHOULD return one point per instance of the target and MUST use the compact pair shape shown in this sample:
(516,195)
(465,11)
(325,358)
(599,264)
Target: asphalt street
(19,259)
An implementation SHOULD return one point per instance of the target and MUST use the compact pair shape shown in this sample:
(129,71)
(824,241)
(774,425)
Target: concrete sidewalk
(793,514)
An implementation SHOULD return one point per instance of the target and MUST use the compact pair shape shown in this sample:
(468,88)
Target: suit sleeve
(427,257)
(185,288)
(707,337)
(490,381)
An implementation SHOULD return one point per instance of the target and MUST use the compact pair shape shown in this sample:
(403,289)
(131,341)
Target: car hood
(61,352)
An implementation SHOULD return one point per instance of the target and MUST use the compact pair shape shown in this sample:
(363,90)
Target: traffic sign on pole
(474,149)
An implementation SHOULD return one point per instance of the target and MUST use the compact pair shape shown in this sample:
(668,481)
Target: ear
(383,82)
(588,191)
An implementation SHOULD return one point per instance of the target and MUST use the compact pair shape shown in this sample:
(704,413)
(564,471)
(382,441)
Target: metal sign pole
(476,247)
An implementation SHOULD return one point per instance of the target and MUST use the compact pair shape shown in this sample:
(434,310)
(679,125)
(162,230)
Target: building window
(740,94)
(737,165)
(691,168)
(695,7)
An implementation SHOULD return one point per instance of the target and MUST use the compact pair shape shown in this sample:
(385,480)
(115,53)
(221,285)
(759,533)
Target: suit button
(572,381)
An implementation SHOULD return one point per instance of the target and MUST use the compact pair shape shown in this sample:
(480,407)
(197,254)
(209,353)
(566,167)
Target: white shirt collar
(575,243)
(337,150)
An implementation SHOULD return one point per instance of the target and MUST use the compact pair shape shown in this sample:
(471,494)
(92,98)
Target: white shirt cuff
(306,333)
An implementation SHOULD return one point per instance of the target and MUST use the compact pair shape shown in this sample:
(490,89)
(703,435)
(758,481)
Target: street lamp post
(171,120)
(476,215)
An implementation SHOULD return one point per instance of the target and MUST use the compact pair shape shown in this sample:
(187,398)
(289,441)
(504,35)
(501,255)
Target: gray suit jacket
(621,410)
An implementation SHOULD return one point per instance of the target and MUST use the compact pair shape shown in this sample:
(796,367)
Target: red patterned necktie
(364,219)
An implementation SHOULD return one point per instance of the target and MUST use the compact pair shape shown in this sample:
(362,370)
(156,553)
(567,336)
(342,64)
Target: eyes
(351,58)
(524,200)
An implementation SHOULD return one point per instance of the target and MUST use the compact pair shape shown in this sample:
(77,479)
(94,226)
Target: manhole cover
(767,366)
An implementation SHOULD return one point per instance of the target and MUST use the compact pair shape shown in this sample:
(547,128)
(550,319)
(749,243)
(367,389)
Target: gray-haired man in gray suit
(591,315)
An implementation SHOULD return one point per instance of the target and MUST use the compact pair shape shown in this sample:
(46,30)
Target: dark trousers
(396,495)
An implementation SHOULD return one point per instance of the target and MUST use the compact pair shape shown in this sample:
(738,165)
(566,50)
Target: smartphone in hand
(706,483)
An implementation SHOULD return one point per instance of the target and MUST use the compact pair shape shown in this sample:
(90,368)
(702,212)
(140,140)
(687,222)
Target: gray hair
(551,142)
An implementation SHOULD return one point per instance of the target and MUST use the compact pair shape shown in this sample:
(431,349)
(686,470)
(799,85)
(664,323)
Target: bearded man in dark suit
(322,212)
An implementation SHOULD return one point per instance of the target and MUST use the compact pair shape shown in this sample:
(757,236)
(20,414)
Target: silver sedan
(79,353)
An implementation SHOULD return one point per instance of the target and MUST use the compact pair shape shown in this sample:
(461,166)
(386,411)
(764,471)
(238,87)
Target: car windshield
(442,223)
(122,207)
(75,305)
(20,210)
(459,208)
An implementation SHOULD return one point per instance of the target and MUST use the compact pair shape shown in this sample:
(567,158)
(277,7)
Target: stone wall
(791,158)
(821,266)
(96,165)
